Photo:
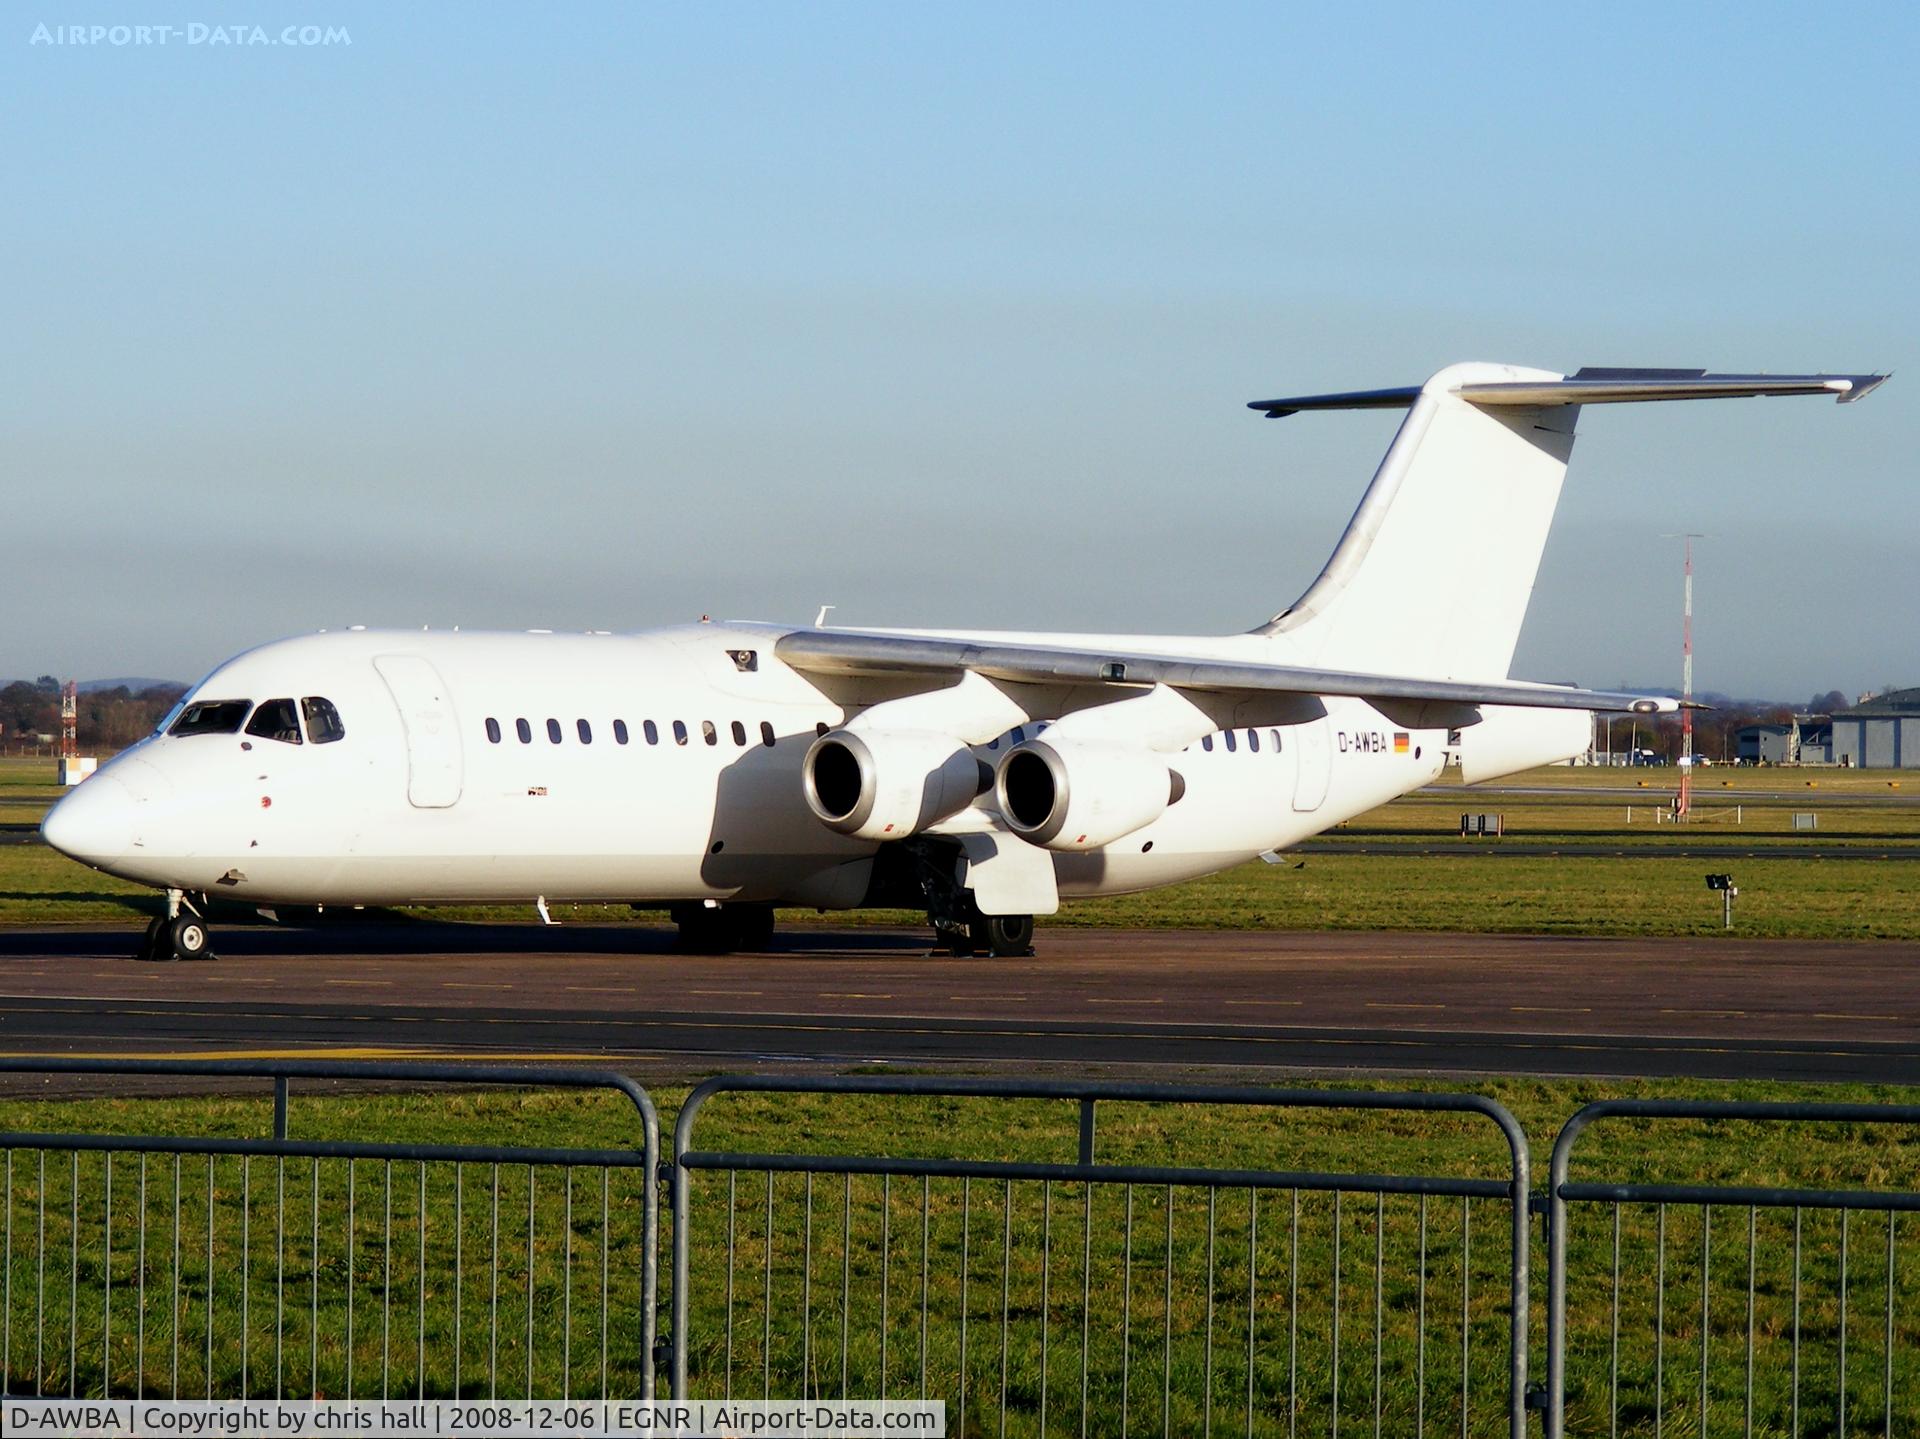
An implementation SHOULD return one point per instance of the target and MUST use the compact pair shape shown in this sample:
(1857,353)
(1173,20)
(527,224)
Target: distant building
(1808,739)
(1763,744)
(1882,732)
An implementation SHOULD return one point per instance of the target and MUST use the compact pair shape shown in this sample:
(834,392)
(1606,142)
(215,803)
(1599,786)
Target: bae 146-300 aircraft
(719,770)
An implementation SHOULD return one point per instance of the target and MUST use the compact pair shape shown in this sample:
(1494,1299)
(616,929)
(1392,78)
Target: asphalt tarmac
(1163,1004)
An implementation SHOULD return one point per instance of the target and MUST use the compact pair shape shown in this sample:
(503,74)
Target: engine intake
(1066,794)
(888,784)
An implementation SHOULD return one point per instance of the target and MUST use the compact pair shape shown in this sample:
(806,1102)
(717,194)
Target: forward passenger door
(434,761)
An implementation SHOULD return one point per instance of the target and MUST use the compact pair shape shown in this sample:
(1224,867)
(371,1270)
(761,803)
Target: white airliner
(718,770)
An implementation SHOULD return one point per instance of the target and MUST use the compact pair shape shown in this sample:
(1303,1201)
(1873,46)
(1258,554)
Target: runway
(1164,1003)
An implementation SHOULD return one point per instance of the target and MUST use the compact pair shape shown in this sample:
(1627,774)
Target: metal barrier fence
(1079,1295)
(1072,1292)
(220,1267)
(1775,1296)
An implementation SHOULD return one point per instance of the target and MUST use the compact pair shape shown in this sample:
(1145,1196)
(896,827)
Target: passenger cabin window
(584,730)
(651,731)
(276,720)
(619,731)
(212,717)
(553,731)
(524,730)
(708,732)
(1227,735)
(679,732)
(1206,742)
(493,731)
(1275,734)
(323,720)
(739,733)
(766,734)
(1253,740)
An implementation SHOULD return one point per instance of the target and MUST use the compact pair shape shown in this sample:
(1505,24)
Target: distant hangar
(1882,732)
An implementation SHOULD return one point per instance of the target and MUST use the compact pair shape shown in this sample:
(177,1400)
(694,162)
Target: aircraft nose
(94,824)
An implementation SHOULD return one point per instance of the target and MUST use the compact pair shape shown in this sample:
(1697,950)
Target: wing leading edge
(851,652)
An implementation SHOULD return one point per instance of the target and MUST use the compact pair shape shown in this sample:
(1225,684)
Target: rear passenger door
(434,764)
(1313,748)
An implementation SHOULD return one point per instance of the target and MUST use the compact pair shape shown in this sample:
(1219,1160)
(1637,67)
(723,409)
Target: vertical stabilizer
(1433,575)
(1434,572)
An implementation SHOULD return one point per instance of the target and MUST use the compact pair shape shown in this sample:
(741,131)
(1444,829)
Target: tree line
(109,719)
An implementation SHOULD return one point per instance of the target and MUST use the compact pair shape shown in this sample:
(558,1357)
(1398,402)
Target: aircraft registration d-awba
(719,770)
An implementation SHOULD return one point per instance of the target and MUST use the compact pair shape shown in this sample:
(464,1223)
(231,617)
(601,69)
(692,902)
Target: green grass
(1872,809)
(27,787)
(1146,1287)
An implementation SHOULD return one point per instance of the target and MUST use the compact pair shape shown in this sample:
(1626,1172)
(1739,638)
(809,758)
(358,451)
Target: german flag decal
(1400,741)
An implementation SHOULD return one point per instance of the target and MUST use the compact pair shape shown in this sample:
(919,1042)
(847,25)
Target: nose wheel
(183,937)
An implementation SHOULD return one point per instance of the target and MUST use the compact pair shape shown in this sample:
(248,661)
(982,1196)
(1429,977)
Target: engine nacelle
(888,784)
(1508,740)
(1068,794)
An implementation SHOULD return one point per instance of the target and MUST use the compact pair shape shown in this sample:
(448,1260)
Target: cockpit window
(276,720)
(323,720)
(212,717)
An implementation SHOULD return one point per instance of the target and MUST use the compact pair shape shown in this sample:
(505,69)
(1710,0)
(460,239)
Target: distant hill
(88,687)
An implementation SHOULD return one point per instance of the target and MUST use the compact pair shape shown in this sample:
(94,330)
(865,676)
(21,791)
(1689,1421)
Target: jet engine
(888,784)
(1078,794)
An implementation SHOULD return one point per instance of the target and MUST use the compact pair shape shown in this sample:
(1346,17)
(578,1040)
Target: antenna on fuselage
(820,620)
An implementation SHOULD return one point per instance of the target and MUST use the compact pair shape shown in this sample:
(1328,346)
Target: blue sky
(611,316)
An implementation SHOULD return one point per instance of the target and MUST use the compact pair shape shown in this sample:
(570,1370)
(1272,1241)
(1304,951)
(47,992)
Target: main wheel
(702,930)
(1009,935)
(751,926)
(187,936)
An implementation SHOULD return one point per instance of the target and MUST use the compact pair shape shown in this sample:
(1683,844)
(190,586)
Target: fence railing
(235,1267)
(1079,1295)
(1095,1281)
(1760,1306)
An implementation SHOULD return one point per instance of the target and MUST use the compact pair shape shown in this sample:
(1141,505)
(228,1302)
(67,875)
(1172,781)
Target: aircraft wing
(852,652)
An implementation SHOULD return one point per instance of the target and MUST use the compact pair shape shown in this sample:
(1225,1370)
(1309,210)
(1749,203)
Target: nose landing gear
(178,935)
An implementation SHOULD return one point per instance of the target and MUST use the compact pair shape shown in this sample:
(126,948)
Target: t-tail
(1436,568)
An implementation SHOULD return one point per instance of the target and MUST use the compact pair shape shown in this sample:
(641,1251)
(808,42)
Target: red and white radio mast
(69,720)
(1683,801)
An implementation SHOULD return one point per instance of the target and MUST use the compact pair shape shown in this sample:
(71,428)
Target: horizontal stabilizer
(852,652)
(1593,386)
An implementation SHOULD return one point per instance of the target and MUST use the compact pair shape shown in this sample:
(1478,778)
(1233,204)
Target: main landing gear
(926,870)
(179,934)
(1003,936)
(724,928)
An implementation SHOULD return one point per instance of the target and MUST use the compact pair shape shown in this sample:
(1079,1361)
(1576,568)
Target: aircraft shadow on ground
(348,939)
